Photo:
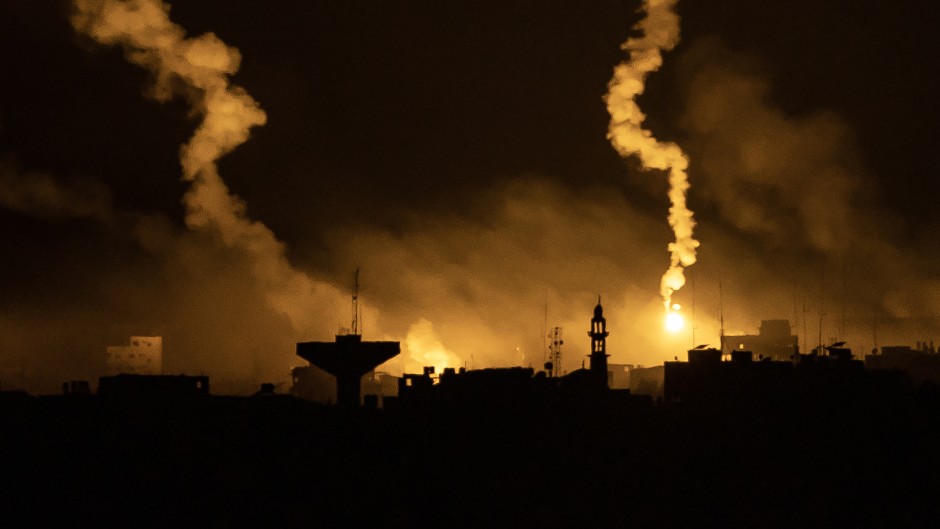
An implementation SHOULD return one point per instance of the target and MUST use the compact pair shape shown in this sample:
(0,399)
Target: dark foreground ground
(278,462)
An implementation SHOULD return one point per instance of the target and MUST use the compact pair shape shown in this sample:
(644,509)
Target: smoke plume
(198,68)
(660,32)
(794,192)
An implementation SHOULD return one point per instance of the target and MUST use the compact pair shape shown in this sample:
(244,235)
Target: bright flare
(674,322)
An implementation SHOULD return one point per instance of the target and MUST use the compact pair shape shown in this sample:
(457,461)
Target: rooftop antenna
(354,328)
(805,332)
(822,292)
(721,318)
(554,356)
(545,329)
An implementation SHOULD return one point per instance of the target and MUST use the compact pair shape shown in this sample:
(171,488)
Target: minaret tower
(598,334)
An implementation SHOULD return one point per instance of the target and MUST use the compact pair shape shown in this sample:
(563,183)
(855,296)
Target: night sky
(457,152)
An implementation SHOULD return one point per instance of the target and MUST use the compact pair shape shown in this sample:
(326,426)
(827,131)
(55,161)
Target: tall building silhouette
(598,334)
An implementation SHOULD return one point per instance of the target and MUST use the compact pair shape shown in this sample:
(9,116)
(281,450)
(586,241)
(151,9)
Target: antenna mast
(721,318)
(805,332)
(545,330)
(554,355)
(354,329)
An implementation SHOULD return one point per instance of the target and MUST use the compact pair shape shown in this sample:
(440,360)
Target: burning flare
(674,322)
(660,31)
(198,68)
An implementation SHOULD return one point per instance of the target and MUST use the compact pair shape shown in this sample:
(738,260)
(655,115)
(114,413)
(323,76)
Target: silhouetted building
(348,359)
(774,340)
(598,334)
(638,379)
(705,376)
(619,377)
(492,385)
(521,389)
(16,395)
(380,385)
(416,386)
(76,387)
(152,387)
(921,365)
(143,355)
(314,384)
(834,376)
(647,381)
(266,390)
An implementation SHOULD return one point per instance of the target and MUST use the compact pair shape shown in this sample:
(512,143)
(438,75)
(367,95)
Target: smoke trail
(660,31)
(198,68)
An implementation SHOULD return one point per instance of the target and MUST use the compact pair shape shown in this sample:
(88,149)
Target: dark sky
(400,127)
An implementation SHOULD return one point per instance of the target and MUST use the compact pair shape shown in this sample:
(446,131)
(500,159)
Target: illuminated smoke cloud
(660,32)
(424,348)
(475,284)
(792,189)
(198,68)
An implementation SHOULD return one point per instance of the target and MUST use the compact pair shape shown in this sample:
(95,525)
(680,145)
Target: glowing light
(674,322)
(423,347)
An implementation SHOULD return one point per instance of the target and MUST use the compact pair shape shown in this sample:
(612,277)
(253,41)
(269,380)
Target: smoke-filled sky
(457,152)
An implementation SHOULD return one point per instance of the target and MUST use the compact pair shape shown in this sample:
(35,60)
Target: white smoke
(199,69)
(660,32)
